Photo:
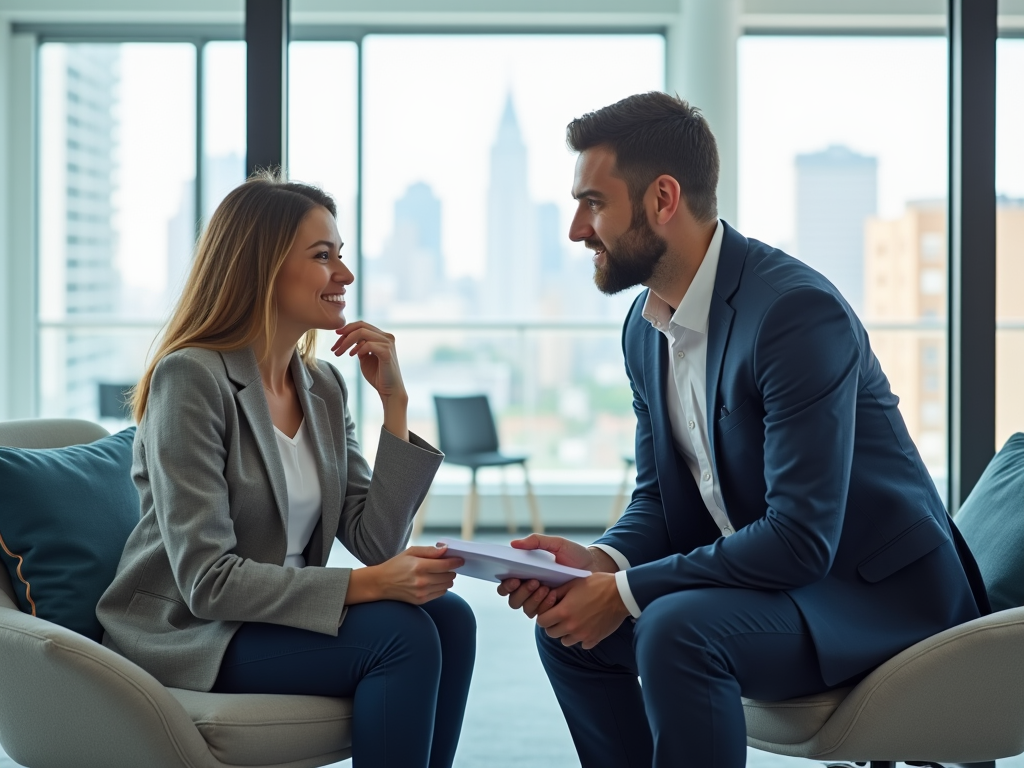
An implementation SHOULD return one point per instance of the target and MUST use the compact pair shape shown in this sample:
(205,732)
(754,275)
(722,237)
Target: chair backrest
(465,425)
(49,433)
(43,433)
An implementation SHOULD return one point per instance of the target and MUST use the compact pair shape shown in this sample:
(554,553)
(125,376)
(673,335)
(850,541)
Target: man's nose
(580,228)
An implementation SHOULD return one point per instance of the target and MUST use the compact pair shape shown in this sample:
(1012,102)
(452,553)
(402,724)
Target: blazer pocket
(159,612)
(729,421)
(911,545)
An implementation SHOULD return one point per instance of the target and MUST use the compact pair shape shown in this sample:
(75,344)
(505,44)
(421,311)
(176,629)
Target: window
(116,215)
(466,210)
(1009,240)
(844,165)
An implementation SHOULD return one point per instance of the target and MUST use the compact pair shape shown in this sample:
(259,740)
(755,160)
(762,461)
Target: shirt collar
(695,308)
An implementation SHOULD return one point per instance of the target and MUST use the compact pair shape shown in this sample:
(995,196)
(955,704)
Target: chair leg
(421,518)
(469,512)
(531,500)
(620,499)
(506,500)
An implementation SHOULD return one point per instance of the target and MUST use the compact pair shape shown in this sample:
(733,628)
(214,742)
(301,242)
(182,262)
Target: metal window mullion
(972,242)
(266,88)
(197,196)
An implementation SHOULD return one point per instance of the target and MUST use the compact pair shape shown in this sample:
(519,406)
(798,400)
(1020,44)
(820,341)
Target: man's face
(626,247)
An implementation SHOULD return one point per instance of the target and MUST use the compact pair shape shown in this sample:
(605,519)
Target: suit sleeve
(376,516)
(185,426)
(640,534)
(806,368)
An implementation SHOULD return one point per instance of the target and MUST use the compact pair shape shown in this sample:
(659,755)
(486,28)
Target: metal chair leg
(531,500)
(420,519)
(469,511)
(620,499)
(506,500)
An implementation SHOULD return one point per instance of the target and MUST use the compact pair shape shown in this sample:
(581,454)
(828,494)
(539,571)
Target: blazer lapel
(241,368)
(727,280)
(318,427)
(656,361)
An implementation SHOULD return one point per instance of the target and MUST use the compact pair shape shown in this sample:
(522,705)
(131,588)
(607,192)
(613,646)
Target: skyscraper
(511,273)
(836,191)
(79,277)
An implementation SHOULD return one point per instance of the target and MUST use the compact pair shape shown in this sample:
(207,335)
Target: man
(784,536)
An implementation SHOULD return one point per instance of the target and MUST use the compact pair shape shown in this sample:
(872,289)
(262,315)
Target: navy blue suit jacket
(829,497)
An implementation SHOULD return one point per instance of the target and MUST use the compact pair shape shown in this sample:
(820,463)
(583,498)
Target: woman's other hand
(417,575)
(378,361)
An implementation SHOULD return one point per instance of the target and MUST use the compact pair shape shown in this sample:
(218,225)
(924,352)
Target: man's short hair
(653,134)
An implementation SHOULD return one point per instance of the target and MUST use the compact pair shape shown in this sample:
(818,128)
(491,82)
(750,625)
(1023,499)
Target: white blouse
(303,491)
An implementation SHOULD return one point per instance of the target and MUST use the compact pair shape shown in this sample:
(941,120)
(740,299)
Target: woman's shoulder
(194,364)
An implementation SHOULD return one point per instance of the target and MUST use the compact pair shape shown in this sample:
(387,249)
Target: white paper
(497,562)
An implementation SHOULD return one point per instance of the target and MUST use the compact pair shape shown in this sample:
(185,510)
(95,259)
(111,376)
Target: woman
(247,467)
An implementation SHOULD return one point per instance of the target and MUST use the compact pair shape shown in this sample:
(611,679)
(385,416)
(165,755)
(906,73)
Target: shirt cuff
(622,582)
(614,554)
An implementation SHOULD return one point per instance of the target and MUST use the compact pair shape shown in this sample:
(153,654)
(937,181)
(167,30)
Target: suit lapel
(241,368)
(727,280)
(656,359)
(318,427)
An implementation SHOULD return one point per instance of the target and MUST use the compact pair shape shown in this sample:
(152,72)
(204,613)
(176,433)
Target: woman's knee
(405,628)
(451,613)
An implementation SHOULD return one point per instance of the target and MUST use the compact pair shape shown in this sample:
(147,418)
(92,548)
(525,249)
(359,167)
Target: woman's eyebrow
(328,243)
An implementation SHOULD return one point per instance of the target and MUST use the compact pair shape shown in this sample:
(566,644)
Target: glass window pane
(117,208)
(465,220)
(1009,239)
(843,164)
(223,121)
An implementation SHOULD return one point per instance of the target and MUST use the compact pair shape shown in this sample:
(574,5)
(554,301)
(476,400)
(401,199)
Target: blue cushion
(992,522)
(65,514)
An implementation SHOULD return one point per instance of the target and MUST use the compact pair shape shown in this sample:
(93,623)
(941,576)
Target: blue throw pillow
(65,515)
(992,522)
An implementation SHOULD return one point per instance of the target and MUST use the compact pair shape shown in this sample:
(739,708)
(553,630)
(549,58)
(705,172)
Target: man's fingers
(521,595)
(533,601)
(508,586)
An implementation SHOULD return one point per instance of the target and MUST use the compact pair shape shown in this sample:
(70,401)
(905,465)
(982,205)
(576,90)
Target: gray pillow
(992,522)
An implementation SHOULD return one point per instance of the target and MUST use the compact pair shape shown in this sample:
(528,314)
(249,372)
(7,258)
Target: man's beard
(634,259)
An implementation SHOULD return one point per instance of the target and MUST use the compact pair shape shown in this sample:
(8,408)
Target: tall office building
(78,278)
(510,276)
(413,253)
(836,190)
(905,301)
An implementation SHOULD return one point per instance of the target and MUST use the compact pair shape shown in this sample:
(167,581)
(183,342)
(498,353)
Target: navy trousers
(696,653)
(407,667)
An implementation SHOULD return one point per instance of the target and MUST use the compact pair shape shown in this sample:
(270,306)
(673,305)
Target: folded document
(497,562)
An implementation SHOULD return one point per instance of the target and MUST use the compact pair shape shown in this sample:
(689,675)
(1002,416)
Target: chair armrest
(956,697)
(68,701)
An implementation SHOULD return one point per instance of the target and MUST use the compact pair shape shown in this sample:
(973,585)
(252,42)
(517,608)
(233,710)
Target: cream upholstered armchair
(68,702)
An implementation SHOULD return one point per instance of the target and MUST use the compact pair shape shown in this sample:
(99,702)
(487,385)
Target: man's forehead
(594,167)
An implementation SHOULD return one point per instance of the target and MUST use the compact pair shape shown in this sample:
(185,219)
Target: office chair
(468,438)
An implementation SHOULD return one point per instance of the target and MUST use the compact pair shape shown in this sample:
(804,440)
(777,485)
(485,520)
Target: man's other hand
(584,611)
(533,597)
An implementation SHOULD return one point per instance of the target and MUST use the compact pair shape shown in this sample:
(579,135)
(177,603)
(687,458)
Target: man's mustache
(594,245)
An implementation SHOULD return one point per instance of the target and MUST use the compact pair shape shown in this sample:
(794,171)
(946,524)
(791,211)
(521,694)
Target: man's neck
(675,272)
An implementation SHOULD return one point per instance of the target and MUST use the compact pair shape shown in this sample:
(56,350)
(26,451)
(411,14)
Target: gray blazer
(209,550)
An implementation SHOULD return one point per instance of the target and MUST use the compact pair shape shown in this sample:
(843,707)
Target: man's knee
(678,626)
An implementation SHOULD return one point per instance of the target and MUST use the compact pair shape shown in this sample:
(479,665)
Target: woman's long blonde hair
(228,299)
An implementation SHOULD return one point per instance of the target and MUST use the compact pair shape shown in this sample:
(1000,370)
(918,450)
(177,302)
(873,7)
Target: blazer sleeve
(379,506)
(806,367)
(185,428)
(641,533)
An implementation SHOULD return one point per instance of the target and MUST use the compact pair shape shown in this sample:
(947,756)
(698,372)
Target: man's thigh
(758,639)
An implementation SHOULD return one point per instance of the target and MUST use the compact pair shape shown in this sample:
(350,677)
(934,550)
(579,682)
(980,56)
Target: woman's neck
(274,362)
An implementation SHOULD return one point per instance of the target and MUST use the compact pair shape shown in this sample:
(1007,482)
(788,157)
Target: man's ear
(668,197)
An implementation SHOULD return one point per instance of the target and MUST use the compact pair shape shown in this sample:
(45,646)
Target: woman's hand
(417,575)
(378,361)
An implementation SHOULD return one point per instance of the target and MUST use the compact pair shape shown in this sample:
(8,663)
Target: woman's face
(310,288)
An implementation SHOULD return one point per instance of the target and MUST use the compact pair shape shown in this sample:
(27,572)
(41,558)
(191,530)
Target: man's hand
(584,611)
(532,596)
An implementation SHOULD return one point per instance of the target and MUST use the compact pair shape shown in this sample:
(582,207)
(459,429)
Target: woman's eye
(323,255)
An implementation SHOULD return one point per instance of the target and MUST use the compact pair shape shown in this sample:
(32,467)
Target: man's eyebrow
(328,243)
(591,193)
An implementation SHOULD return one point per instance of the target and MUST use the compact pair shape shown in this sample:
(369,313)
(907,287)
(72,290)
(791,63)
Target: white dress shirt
(686,334)
(304,499)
